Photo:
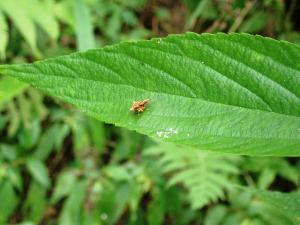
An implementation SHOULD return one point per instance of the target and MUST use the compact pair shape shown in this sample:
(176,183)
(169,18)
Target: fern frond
(206,177)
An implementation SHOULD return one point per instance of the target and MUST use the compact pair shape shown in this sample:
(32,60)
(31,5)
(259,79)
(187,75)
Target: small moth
(139,106)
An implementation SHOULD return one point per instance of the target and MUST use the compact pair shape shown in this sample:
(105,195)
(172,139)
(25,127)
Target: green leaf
(79,127)
(72,210)
(15,178)
(215,215)
(156,208)
(266,178)
(270,167)
(17,10)
(51,139)
(65,183)
(42,15)
(3,36)
(204,9)
(97,133)
(270,205)
(233,93)
(14,119)
(38,171)
(113,202)
(7,195)
(35,203)
(117,173)
(84,27)
(9,88)
(256,23)
(26,223)
(29,134)
(63,10)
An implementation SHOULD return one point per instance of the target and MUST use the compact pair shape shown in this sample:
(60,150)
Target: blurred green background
(58,166)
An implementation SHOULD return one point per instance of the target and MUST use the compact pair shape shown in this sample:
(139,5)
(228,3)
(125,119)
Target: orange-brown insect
(139,106)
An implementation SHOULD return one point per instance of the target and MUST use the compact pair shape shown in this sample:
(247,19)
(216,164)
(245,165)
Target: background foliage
(58,166)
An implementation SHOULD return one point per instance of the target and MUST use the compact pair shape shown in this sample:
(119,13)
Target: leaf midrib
(142,89)
(192,137)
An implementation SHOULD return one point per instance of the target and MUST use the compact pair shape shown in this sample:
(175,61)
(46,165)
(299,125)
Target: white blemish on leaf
(166,133)
(103,216)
